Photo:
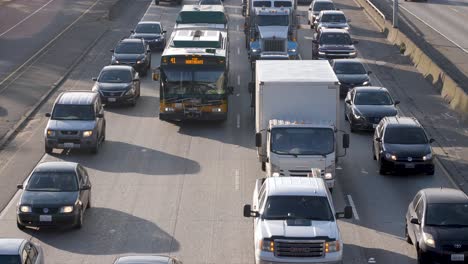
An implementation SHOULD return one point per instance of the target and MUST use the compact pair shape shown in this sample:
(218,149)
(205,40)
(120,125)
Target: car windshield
(447,214)
(130,48)
(53,181)
(335,39)
(405,135)
(262,4)
(372,98)
(319,6)
(115,76)
(10,259)
(333,18)
(298,207)
(73,112)
(266,20)
(148,28)
(302,141)
(283,4)
(349,68)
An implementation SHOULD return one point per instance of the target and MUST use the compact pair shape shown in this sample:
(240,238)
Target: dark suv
(132,52)
(437,225)
(333,44)
(152,33)
(400,143)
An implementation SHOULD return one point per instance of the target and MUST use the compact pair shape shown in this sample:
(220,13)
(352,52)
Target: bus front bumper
(213,116)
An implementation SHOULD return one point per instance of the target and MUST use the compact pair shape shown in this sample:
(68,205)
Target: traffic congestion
(302,115)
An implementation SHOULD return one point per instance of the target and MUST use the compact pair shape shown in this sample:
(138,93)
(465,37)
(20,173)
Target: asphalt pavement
(179,188)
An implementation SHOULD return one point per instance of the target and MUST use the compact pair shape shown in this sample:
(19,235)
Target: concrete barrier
(450,91)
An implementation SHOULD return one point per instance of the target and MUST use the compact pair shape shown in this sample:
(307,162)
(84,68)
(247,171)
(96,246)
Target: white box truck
(297,118)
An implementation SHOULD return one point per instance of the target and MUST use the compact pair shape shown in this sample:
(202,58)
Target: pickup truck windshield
(335,39)
(302,141)
(319,6)
(298,207)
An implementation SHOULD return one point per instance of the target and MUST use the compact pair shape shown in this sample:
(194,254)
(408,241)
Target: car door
(83,180)
(412,213)
(348,106)
(419,213)
(379,131)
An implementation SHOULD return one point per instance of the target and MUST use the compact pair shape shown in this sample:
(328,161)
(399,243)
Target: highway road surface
(179,188)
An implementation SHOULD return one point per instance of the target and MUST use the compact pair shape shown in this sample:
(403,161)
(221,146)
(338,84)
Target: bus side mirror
(258,140)
(156,74)
(345,140)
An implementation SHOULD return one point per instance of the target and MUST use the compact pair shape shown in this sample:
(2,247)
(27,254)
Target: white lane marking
(238,80)
(238,51)
(427,24)
(238,121)
(46,46)
(309,38)
(147,10)
(9,205)
(300,57)
(237,27)
(371,260)
(26,18)
(236,180)
(351,202)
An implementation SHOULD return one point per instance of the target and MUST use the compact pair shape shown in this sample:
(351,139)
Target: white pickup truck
(295,221)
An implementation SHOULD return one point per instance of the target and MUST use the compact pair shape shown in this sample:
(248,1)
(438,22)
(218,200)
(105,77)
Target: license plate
(457,257)
(68,145)
(111,99)
(374,125)
(45,218)
(409,166)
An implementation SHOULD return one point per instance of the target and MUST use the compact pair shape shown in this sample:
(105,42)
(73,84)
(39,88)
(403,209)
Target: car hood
(333,24)
(280,32)
(337,47)
(113,86)
(408,150)
(353,78)
(376,110)
(48,198)
(123,56)
(447,233)
(299,228)
(71,124)
(146,36)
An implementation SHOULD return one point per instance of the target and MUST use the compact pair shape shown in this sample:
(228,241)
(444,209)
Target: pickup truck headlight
(25,209)
(267,245)
(428,239)
(352,53)
(66,209)
(332,246)
(130,92)
(427,157)
(390,156)
(87,133)
(50,133)
(321,53)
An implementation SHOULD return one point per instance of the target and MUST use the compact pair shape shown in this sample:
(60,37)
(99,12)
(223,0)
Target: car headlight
(168,109)
(87,133)
(158,39)
(321,53)
(50,133)
(365,83)
(140,61)
(25,209)
(332,246)
(352,53)
(66,209)
(427,157)
(390,156)
(346,28)
(130,92)
(267,244)
(428,239)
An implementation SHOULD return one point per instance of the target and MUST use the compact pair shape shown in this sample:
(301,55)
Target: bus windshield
(185,82)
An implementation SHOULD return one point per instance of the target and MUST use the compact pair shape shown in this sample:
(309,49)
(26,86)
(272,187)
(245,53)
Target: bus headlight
(168,109)
(216,110)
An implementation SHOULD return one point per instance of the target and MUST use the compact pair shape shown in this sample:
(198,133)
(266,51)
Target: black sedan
(56,194)
(118,85)
(350,73)
(437,225)
(366,106)
(132,52)
(152,33)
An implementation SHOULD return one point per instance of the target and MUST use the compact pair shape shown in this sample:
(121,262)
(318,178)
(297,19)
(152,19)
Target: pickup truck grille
(299,249)
(274,45)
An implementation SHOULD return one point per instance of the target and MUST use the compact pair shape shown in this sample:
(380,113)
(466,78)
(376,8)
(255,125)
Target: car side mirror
(258,140)
(19,186)
(230,90)
(136,80)
(369,72)
(378,139)
(112,50)
(355,42)
(85,187)
(337,9)
(345,141)
(432,140)
(315,41)
(310,9)
(94,79)
(396,102)
(48,115)
(248,211)
(148,50)
(156,74)
(347,214)
(132,31)
(348,101)
(100,115)
(349,20)
(415,221)
(164,31)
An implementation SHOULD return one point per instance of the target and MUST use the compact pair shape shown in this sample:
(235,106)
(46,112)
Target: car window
(452,214)
(420,209)
(115,76)
(349,68)
(261,200)
(10,259)
(53,181)
(372,98)
(148,28)
(405,135)
(298,207)
(73,112)
(130,48)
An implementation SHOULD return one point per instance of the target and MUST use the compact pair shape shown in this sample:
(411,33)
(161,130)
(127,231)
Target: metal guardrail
(376,9)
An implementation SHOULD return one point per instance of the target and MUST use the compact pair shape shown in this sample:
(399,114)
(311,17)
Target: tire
(95,149)
(407,237)
(48,150)
(421,259)
(431,172)
(382,170)
(20,226)
(79,225)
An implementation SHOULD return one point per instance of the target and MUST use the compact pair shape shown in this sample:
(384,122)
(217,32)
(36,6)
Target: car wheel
(420,256)
(382,170)
(79,225)
(308,21)
(20,226)
(407,237)
(95,149)
(89,201)
(133,102)
(48,150)
(431,172)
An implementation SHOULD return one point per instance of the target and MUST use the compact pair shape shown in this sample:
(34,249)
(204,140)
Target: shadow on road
(354,254)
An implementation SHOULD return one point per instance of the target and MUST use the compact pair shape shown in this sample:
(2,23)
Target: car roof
(143,259)
(131,40)
(370,89)
(117,67)
(56,166)
(335,30)
(149,22)
(329,1)
(202,8)
(10,246)
(335,12)
(347,61)
(399,121)
(77,98)
(445,195)
(294,186)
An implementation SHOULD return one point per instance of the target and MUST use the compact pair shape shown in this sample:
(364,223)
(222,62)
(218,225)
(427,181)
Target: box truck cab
(297,118)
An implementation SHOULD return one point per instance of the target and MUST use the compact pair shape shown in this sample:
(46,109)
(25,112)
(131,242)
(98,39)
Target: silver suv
(76,122)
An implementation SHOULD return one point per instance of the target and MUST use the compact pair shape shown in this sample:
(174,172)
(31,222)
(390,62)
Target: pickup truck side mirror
(164,31)
(19,186)
(85,187)
(258,140)
(100,115)
(415,221)
(47,114)
(347,214)
(345,141)
(248,211)
(94,79)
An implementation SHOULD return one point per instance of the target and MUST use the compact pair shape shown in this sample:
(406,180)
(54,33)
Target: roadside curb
(450,91)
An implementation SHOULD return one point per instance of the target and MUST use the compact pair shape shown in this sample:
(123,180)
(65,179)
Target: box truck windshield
(302,141)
